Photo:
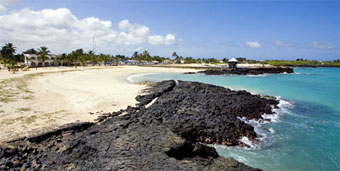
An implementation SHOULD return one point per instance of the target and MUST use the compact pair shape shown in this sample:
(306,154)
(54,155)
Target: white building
(31,60)
(232,63)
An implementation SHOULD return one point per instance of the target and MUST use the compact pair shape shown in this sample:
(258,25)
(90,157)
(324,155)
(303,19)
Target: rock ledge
(170,134)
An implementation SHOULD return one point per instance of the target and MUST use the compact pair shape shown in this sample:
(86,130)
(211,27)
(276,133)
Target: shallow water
(306,133)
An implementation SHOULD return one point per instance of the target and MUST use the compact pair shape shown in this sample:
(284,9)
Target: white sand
(65,97)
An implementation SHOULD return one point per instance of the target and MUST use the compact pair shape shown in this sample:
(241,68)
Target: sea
(304,134)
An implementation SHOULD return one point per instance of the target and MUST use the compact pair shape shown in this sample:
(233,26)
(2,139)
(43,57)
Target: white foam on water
(252,122)
(131,78)
(246,141)
(256,124)
(285,73)
(272,117)
(297,73)
(265,75)
(260,75)
(238,88)
(284,108)
(272,130)
(239,158)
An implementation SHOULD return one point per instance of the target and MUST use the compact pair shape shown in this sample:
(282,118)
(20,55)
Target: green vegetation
(23,109)
(8,57)
(31,51)
(12,89)
(81,58)
(304,63)
(42,54)
(16,88)
(32,118)
(26,120)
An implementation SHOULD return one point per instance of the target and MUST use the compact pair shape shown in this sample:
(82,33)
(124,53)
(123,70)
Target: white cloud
(283,44)
(124,25)
(132,33)
(4,3)
(253,44)
(61,31)
(138,49)
(160,40)
(2,8)
(323,45)
(9,2)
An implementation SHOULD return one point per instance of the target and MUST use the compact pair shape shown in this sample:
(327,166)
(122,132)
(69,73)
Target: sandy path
(50,100)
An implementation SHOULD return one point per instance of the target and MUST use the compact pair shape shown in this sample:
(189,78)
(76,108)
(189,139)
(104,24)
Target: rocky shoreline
(246,71)
(167,130)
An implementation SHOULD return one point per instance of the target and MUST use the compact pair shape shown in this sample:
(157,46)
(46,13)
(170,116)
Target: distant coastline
(304,63)
(310,66)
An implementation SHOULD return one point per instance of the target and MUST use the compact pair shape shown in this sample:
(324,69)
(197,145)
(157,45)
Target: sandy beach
(38,100)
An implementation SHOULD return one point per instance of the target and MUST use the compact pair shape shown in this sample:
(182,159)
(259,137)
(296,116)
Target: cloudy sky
(257,29)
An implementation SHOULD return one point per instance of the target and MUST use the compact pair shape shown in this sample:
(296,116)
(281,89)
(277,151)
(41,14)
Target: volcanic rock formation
(246,71)
(171,133)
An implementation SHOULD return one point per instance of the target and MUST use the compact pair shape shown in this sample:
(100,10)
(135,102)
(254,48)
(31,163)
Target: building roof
(232,60)
(29,55)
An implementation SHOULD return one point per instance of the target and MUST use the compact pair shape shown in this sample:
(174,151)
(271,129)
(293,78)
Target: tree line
(303,63)
(78,57)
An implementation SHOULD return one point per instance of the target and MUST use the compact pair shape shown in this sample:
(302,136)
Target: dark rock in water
(248,71)
(190,73)
(208,113)
(170,134)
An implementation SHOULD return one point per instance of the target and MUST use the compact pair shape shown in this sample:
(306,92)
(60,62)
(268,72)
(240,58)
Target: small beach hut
(232,63)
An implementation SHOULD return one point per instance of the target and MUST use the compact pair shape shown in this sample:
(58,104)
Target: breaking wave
(132,78)
(260,75)
(263,133)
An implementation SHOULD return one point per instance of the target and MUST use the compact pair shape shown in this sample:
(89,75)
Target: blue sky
(253,29)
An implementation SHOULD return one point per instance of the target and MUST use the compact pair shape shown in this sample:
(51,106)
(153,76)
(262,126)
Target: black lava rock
(248,71)
(169,134)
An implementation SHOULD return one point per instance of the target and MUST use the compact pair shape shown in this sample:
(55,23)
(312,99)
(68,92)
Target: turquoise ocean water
(305,133)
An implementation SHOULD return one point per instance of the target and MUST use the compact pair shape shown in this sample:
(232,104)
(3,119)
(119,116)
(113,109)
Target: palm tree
(1,60)
(92,57)
(42,54)
(63,59)
(74,57)
(174,55)
(104,58)
(79,52)
(58,59)
(30,51)
(83,59)
(136,56)
(69,58)
(146,56)
(7,53)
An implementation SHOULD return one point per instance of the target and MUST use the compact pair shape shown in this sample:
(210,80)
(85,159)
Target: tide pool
(306,133)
